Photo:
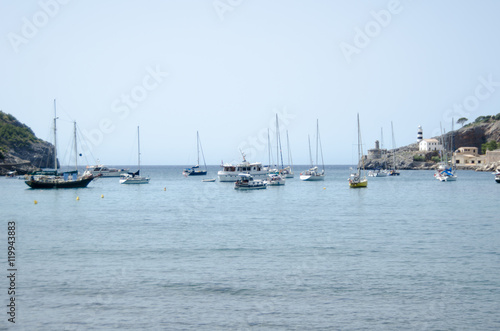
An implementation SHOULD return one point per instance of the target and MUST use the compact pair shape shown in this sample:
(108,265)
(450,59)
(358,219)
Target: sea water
(405,253)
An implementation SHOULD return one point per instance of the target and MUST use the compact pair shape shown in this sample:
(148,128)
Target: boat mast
(393,148)
(55,137)
(317,140)
(269,149)
(138,151)
(278,143)
(76,150)
(198,147)
(321,151)
(359,146)
(202,154)
(290,161)
(277,147)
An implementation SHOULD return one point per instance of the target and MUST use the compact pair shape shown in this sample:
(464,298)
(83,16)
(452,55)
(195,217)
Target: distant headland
(475,146)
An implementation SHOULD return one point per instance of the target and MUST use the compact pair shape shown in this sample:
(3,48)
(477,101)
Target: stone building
(468,156)
(377,152)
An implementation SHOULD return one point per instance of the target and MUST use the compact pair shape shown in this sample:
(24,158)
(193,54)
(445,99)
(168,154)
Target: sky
(225,68)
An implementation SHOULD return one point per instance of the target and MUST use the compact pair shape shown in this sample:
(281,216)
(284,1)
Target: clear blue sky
(225,68)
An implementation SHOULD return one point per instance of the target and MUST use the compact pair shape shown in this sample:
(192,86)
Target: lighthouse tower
(420,134)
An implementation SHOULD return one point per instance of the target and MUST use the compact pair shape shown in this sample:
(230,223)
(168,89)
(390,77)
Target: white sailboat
(393,171)
(313,173)
(356,179)
(135,178)
(445,172)
(275,178)
(288,170)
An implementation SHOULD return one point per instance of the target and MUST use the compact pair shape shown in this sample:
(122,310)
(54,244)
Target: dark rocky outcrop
(20,149)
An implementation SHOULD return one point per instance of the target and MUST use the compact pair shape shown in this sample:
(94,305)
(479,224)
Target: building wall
(493,156)
(428,145)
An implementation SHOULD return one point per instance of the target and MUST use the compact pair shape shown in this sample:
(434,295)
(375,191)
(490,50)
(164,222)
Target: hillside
(20,149)
(483,130)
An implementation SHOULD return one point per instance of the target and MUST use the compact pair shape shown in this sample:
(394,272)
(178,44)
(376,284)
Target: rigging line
(202,154)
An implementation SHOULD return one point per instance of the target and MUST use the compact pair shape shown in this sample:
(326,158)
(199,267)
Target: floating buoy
(102,196)
(324,188)
(77,198)
(164,189)
(36,202)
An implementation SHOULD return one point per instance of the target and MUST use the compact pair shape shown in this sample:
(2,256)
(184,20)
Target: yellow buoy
(164,189)
(77,198)
(102,196)
(324,188)
(36,202)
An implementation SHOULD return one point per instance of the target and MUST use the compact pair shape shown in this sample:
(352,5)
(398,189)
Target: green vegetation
(418,158)
(436,159)
(489,146)
(13,134)
(462,120)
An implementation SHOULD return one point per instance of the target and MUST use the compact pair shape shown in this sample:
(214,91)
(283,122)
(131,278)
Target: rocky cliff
(410,158)
(20,149)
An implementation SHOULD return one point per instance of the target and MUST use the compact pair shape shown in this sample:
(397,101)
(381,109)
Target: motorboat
(246,182)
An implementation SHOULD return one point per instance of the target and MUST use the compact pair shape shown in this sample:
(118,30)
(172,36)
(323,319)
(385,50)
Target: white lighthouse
(420,134)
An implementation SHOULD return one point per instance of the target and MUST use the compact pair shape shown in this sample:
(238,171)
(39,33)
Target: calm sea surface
(407,253)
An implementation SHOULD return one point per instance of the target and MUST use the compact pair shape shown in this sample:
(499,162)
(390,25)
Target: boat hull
(233,176)
(311,178)
(134,181)
(51,183)
(195,173)
(363,183)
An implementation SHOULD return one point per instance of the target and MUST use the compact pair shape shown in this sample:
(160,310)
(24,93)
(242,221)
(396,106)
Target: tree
(462,120)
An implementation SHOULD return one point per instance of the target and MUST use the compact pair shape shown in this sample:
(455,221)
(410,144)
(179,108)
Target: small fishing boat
(208,180)
(378,173)
(497,177)
(275,180)
(246,182)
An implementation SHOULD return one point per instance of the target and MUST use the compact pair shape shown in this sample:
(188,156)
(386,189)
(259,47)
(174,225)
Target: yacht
(230,172)
(103,171)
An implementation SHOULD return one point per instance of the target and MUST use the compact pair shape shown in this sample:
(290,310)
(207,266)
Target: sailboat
(445,172)
(393,171)
(288,170)
(195,170)
(135,177)
(356,179)
(313,174)
(275,178)
(69,179)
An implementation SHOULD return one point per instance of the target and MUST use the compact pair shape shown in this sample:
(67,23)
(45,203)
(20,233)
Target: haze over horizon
(226,67)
